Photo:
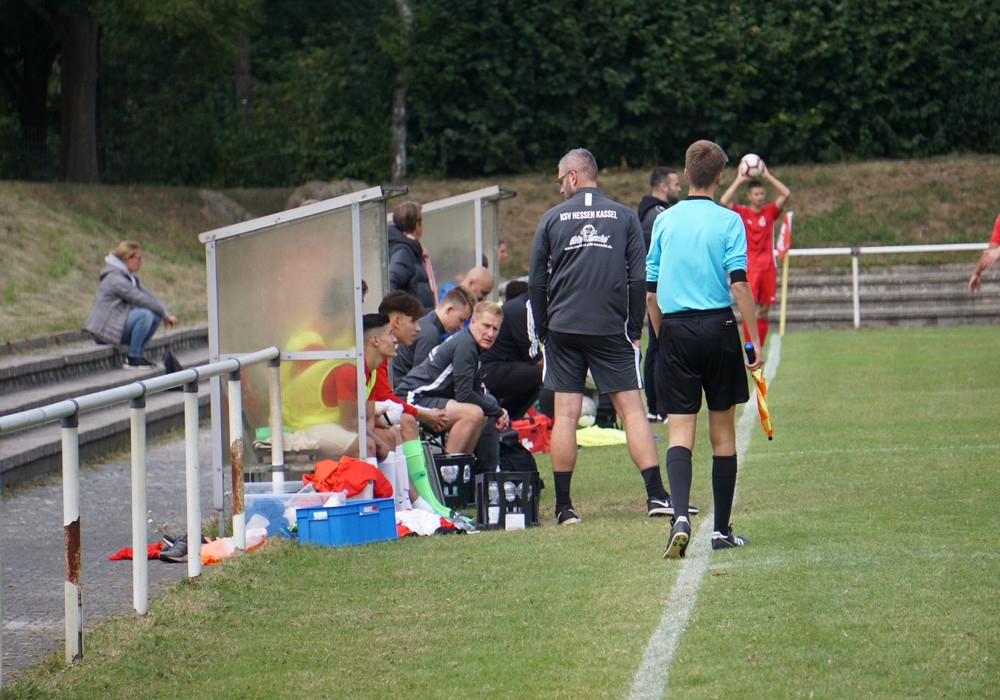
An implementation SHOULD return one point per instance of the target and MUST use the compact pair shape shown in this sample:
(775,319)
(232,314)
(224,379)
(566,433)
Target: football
(751,165)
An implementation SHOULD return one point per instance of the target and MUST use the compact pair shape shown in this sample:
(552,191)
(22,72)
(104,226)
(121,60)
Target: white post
(72,596)
(140,565)
(1,614)
(236,435)
(856,284)
(277,439)
(193,480)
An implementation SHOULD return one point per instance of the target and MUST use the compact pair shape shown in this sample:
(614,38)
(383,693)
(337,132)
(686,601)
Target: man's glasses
(559,180)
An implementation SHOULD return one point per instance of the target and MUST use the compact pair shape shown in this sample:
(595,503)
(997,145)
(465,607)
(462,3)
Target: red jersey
(760,234)
(995,238)
(382,391)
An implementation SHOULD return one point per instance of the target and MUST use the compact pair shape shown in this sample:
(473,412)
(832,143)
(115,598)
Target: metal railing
(68,413)
(855,254)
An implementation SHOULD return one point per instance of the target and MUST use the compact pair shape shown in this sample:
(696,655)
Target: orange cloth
(347,474)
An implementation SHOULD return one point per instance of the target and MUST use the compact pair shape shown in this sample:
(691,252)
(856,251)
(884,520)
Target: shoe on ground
(137,363)
(169,540)
(177,553)
(656,417)
(567,516)
(727,540)
(680,534)
(656,507)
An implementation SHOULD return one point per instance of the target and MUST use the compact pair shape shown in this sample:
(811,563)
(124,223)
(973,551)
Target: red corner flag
(785,237)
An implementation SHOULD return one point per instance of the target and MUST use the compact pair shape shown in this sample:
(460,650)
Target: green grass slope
(53,238)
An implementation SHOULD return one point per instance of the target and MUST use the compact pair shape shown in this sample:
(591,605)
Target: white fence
(855,254)
(68,413)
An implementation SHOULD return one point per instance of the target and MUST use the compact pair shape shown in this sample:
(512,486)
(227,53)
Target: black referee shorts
(702,351)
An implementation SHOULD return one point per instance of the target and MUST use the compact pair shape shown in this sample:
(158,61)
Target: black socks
(562,480)
(679,478)
(724,489)
(654,482)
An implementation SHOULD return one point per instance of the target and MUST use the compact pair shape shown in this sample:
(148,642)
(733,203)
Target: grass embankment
(53,238)
(871,571)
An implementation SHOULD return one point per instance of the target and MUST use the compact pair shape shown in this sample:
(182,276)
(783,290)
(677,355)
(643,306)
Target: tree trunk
(78,71)
(398,124)
(243,80)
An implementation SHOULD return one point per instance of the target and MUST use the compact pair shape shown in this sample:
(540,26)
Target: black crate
(507,500)
(456,472)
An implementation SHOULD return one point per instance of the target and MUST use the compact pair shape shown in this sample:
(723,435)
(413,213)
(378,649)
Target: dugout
(272,277)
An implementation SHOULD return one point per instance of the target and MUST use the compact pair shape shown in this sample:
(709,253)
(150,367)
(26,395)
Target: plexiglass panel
(450,238)
(297,284)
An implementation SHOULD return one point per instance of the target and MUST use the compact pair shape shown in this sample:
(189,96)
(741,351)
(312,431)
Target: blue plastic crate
(355,523)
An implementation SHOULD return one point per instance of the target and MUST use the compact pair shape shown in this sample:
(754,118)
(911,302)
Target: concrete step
(56,362)
(45,371)
(34,452)
(905,295)
(35,396)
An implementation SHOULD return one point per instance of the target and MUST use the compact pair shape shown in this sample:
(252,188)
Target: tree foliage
(499,86)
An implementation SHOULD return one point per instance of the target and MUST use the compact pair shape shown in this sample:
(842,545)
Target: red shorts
(763,284)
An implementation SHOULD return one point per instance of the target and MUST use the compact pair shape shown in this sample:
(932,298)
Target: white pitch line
(651,678)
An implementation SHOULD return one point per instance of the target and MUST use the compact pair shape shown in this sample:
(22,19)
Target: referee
(586,284)
(696,267)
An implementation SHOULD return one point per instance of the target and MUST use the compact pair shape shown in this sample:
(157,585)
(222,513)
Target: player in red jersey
(758,220)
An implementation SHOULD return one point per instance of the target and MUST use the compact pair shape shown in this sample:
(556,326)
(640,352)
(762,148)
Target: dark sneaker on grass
(567,516)
(137,363)
(176,553)
(727,540)
(680,533)
(656,507)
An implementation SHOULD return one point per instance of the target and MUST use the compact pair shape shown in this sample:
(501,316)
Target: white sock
(421,504)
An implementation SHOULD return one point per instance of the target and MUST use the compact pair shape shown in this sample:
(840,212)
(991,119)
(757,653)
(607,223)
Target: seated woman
(124,311)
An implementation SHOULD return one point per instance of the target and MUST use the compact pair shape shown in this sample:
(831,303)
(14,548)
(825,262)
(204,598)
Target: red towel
(152,552)
(347,474)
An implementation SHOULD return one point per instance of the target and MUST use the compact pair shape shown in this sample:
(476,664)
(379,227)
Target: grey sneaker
(680,534)
(727,540)
(177,553)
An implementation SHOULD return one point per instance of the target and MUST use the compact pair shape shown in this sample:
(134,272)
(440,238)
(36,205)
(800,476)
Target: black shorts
(613,361)
(702,350)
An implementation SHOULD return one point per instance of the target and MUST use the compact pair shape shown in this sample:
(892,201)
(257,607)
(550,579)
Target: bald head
(479,281)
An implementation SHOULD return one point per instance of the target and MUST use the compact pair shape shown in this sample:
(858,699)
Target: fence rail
(856,253)
(68,413)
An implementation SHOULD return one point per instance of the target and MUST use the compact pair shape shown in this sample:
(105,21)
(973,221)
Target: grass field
(872,570)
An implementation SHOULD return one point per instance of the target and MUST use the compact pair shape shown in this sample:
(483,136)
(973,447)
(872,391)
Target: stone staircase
(903,295)
(43,371)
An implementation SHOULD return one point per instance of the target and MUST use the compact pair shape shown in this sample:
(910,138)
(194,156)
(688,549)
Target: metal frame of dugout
(271,276)
(448,224)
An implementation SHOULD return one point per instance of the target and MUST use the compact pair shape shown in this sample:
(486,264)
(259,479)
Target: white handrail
(68,412)
(855,253)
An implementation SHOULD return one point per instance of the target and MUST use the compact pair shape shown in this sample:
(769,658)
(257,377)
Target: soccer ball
(751,165)
(588,416)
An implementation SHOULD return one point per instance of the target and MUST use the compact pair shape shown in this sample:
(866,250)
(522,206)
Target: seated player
(451,313)
(449,378)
